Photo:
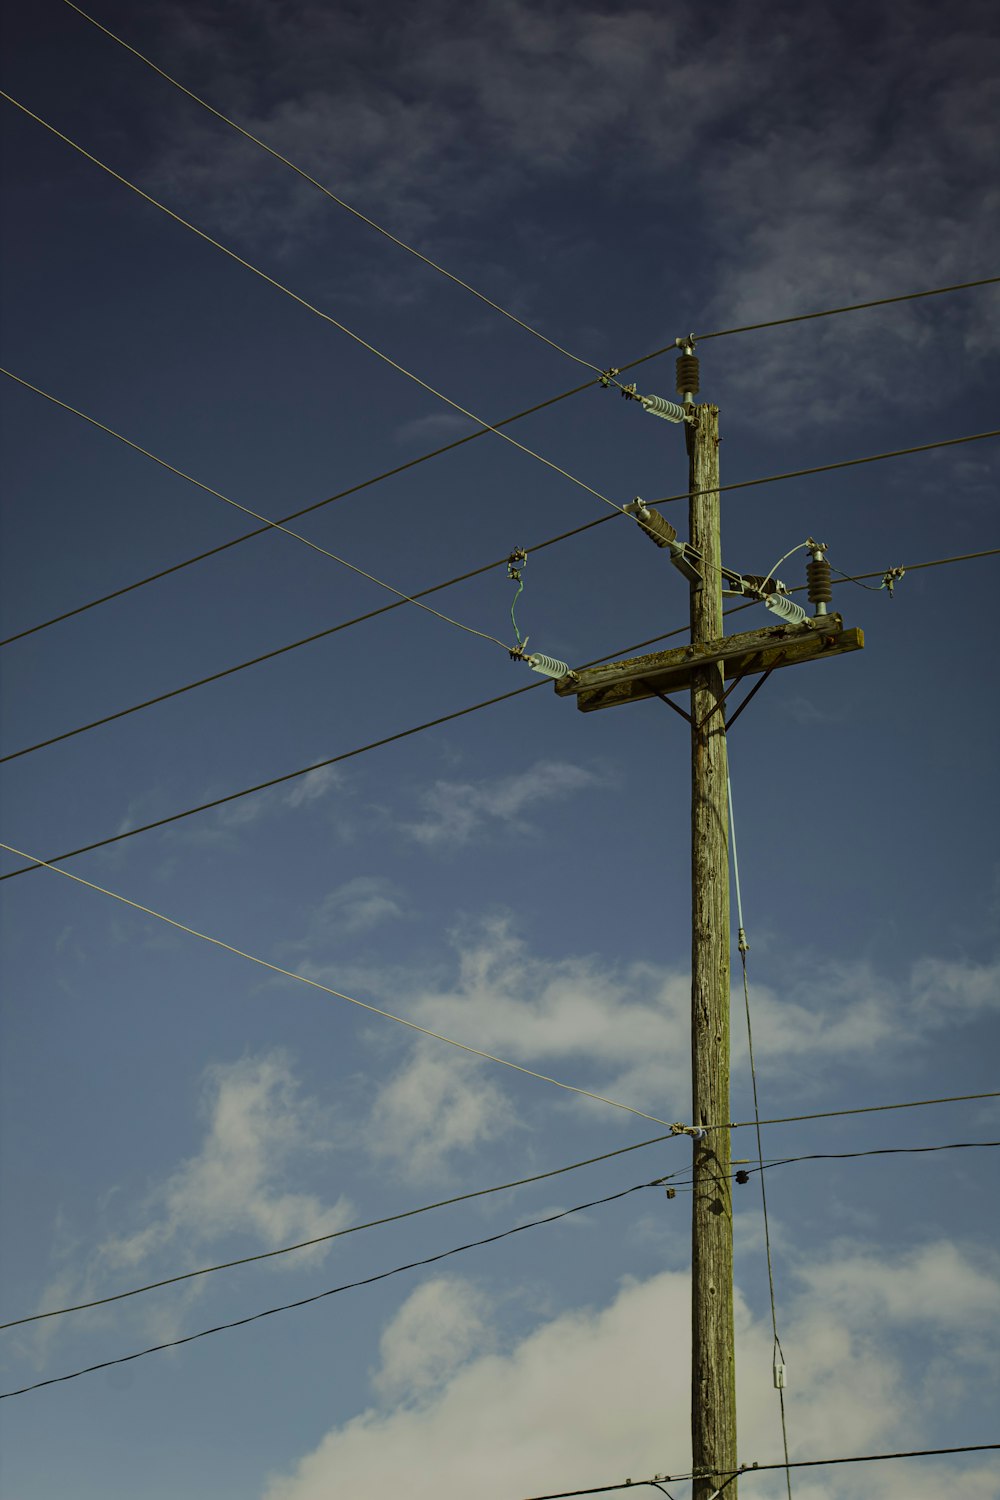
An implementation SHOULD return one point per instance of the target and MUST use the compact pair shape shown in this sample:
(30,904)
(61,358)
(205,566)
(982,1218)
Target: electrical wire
(269,525)
(389,473)
(778,1352)
(259,530)
(865,1109)
(322,1239)
(269,1312)
(801,1463)
(401,734)
(410,1213)
(334,198)
(326,989)
(309,306)
(832,312)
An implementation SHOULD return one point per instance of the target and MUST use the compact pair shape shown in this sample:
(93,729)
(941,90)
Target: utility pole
(702,667)
(713,1366)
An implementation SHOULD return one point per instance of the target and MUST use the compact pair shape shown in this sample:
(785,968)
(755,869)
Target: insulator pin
(547,666)
(688,377)
(818,578)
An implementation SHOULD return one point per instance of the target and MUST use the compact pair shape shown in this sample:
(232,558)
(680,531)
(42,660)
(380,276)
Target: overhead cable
(671,1177)
(269,525)
(833,312)
(337,1234)
(418,593)
(258,530)
(309,306)
(864,1109)
(326,989)
(401,734)
(270,1312)
(748,1469)
(334,198)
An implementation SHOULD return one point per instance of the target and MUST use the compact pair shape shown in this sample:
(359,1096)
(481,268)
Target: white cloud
(596,1395)
(433,1108)
(440,1325)
(356,906)
(455,811)
(258,1131)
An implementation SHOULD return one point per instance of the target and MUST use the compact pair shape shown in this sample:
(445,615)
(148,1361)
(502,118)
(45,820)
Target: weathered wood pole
(713,1371)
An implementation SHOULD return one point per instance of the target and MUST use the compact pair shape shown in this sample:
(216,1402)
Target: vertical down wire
(743,945)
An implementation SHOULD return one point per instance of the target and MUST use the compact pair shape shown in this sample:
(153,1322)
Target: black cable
(801,1463)
(331,1292)
(400,735)
(245,1260)
(864,1109)
(282,520)
(783,1161)
(830,312)
(435,588)
(410,1213)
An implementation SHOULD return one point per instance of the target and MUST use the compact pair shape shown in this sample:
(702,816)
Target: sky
(514,878)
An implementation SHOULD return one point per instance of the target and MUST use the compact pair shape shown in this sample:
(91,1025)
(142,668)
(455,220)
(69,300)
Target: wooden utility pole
(791,639)
(713,1368)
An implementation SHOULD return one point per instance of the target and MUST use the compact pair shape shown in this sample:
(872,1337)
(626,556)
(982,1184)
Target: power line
(865,1109)
(334,198)
(310,307)
(269,525)
(246,1260)
(318,765)
(746,1469)
(410,1213)
(457,280)
(418,594)
(260,530)
(783,1161)
(832,312)
(428,1260)
(413,598)
(326,989)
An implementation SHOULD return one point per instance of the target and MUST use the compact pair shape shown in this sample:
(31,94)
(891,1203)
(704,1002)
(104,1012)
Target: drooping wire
(269,525)
(322,1239)
(334,198)
(270,1312)
(516,563)
(743,945)
(401,468)
(317,985)
(401,734)
(309,306)
(748,1469)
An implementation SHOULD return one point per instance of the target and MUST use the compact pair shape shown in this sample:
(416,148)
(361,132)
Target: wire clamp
(608,376)
(694,1131)
(890,578)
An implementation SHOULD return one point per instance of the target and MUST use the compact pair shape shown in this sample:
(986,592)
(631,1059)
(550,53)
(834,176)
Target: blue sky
(616,176)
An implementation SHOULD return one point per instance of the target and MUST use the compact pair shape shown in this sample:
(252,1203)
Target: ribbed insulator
(687,374)
(548,666)
(818,578)
(786,609)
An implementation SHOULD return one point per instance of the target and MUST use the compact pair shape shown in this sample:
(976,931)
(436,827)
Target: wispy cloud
(433,1109)
(258,1131)
(453,812)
